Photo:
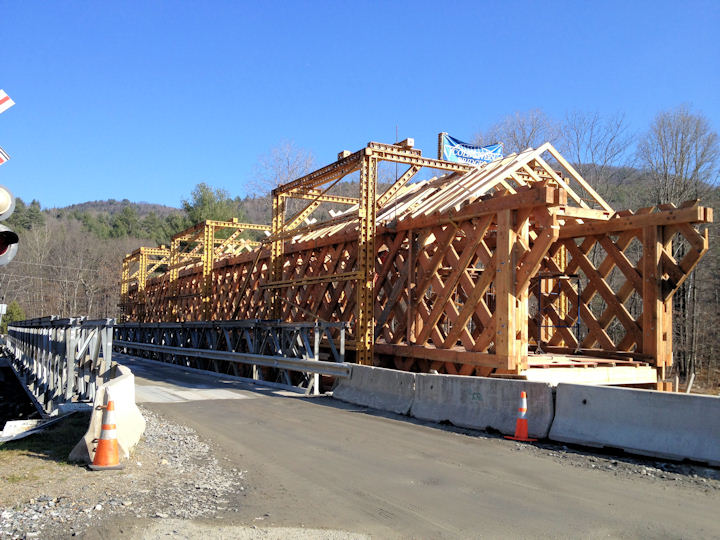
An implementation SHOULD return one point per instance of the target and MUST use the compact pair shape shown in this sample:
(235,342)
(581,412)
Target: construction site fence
(61,360)
(291,354)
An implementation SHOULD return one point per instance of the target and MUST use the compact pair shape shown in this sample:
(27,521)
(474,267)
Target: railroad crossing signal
(8,239)
(5,101)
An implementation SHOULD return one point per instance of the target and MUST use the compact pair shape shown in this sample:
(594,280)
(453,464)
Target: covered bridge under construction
(515,268)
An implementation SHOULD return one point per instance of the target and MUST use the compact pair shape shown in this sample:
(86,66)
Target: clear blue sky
(144,99)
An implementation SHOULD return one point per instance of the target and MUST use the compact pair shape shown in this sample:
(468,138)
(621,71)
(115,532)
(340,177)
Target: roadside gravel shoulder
(171,474)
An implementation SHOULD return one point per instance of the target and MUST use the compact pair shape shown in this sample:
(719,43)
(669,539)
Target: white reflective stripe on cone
(108,434)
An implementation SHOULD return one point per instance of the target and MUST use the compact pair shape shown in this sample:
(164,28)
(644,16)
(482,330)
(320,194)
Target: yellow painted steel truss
(203,243)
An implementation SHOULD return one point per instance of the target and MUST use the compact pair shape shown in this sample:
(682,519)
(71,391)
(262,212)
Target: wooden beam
(580,180)
(697,214)
(455,355)
(582,213)
(451,282)
(535,196)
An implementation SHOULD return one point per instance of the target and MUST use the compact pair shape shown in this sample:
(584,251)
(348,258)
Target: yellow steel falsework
(125,288)
(172,314)
(208,261)
(277,249)
(145,261)
(366,261)
(562,262)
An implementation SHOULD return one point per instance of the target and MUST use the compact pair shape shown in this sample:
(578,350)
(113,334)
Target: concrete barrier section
(645,422)
(481,403)
(379,388)
(130,423)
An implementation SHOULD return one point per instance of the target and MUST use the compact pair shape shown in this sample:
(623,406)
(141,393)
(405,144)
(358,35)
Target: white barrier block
(660,424)
(130,423)
(379,388)
(481,403)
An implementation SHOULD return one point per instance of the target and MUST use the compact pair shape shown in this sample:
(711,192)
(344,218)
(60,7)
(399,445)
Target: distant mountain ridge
(112,207)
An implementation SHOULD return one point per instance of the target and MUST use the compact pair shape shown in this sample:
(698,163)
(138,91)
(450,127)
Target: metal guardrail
(61,360)
(289,353)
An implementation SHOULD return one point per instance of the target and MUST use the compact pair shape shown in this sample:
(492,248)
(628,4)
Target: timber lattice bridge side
(464,273)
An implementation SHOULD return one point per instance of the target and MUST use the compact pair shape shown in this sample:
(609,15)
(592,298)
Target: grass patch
(54,443)
(18,478)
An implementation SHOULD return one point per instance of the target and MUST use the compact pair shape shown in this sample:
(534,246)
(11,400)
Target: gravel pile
(172,474)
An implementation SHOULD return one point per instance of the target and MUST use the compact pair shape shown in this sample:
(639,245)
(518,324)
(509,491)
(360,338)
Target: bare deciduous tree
(63,270)
(521,130)
(681,153)
(283,163)
(597,146)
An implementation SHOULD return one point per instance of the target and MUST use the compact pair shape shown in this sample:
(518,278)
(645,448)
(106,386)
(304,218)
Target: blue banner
(460,152)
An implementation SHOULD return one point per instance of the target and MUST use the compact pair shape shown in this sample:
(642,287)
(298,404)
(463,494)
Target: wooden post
(440,144)
(522,311)
(410,324)
(506,301)
(653,343)
(667,313)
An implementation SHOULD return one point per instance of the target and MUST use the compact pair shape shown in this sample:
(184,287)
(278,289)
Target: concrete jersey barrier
(645,422)
(482,403)
(130,422)
(379,388)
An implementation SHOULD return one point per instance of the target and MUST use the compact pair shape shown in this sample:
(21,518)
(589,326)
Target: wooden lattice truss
(462,273)
(203,243)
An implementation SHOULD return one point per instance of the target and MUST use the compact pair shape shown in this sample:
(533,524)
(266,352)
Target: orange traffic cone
(107,455)
(521,426)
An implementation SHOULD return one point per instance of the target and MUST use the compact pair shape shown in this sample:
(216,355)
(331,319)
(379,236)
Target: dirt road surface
(322,464)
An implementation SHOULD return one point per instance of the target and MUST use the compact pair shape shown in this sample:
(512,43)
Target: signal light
(8,239)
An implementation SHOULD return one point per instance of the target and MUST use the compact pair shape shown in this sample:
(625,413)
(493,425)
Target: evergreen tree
(14,313)
(209,203)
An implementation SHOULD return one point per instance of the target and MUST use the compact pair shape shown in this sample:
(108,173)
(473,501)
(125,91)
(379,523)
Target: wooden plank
(397,290)
(617,254)
(613,303)
(531,262)
(455,355)
(444,240)
(452,280)
(473,298)
(582,213)
(579,179)
(535,196)
(389,260)
(627,223)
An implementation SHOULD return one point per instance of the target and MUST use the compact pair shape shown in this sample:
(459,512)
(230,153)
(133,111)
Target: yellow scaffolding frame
(306,188)
(197,244)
